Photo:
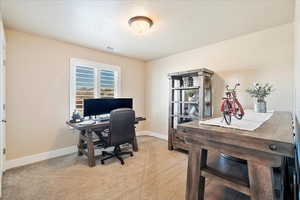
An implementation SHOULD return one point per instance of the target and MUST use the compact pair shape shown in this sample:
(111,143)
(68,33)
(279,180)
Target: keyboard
(88,122)
(103,119)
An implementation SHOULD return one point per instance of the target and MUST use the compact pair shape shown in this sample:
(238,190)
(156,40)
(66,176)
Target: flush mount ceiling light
(140,24)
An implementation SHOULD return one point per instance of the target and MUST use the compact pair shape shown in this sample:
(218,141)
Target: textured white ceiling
(179,25)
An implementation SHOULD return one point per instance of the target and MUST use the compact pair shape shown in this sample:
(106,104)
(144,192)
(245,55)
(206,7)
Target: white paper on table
(251,121)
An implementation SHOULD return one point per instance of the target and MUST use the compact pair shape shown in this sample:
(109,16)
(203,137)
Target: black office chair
(121,131)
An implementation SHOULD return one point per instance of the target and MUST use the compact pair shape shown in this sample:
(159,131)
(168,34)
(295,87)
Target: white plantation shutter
(92,80)
(106,83)
(85,85)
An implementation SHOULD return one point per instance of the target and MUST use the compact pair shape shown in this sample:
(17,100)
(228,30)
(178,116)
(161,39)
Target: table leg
(195,182)
(91,152)
(80,144)
(261,181)
(135,144)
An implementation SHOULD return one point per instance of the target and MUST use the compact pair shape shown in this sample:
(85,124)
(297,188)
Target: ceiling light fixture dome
(140,24)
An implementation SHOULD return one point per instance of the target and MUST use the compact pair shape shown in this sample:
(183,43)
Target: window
(107,83)
(92,80)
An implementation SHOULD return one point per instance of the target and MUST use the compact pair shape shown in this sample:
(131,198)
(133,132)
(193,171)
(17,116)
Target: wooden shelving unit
(183,84)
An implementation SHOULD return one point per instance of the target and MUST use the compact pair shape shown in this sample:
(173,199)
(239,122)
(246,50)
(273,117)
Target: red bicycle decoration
(231,106)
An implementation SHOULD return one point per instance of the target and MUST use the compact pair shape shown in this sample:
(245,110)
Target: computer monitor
(93,107)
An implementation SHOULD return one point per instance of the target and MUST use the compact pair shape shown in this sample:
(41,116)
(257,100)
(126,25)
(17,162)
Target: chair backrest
(122,127)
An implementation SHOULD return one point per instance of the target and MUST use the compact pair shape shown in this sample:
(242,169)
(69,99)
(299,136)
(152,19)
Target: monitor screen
(102,106)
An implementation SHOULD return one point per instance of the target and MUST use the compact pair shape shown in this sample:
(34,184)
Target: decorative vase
(260,107)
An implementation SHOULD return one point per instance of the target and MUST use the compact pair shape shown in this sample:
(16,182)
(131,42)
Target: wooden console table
(264,149)
(86,138)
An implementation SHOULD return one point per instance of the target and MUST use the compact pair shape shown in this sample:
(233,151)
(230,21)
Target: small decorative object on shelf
(260,92)
(189,95)
(190,99)
(186,82)
(231,105)
(76,117)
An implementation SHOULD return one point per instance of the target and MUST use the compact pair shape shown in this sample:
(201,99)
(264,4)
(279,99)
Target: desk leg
(91,153)
(135,144)
(80,144)
(261,182)
(195,182)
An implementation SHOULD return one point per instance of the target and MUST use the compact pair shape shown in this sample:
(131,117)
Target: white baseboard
(153,134)
(9,164)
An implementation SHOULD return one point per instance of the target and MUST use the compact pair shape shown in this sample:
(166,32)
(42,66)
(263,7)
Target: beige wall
(38,91)
(265,56)
(38,82)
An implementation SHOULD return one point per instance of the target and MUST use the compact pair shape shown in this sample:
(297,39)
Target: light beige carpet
(154,173)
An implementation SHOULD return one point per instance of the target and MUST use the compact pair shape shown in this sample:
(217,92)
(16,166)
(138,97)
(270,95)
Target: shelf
(229,181)
(186,88)
(187,102)
(230,173)
(185,116)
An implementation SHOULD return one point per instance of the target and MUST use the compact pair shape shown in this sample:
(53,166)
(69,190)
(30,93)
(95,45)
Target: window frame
(74,62)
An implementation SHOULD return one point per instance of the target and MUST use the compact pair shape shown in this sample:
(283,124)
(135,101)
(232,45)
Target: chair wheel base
(116,153)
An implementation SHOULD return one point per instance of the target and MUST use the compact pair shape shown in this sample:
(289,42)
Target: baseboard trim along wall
(153,134)
(9,164)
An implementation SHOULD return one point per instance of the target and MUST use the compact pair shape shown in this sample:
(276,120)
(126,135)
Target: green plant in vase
(191,95)
(260,92)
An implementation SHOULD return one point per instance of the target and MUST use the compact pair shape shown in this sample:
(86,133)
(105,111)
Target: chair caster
(122,163)
(102,162)
(131,154)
